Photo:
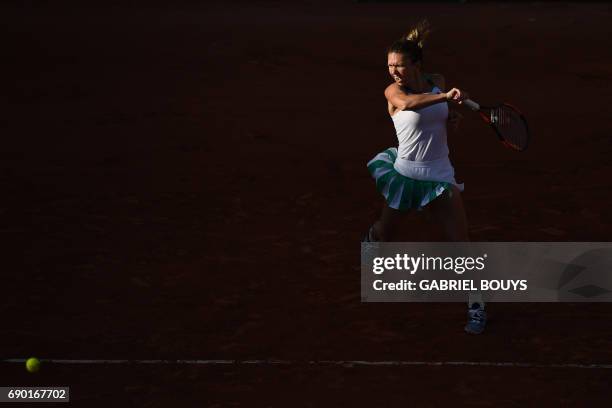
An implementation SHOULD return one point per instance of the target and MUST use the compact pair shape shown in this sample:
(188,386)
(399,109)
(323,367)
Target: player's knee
(381,233)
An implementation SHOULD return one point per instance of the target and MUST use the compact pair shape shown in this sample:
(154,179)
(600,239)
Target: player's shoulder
(391,89)
(438,80)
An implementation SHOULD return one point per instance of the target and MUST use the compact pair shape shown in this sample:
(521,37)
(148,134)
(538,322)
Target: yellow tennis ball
(33,364)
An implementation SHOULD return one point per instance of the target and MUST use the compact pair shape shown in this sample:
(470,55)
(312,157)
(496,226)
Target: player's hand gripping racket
(507,121)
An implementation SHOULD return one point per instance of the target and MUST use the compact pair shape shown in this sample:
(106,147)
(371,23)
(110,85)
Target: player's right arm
(403,101)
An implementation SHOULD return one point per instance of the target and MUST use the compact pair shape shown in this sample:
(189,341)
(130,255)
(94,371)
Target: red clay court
(188,182)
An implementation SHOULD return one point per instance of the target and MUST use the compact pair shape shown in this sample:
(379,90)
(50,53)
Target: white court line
(344,363)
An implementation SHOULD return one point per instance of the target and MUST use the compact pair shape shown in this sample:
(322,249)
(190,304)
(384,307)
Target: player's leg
(448,210)
(385,229)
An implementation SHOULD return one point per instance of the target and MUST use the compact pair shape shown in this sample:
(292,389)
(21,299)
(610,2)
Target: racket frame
(479,108)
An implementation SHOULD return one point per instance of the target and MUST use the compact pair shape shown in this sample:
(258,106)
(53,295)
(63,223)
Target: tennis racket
(507,121)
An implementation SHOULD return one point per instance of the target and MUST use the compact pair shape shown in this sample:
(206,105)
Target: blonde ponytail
(411,45)
(419,33)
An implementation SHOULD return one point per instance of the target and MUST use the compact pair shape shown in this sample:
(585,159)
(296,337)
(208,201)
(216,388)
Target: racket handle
(471,104)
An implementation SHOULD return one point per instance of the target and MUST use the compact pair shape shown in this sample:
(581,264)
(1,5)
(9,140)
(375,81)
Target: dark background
(188,181)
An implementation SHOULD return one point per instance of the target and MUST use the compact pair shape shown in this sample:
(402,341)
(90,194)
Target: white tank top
(421,133)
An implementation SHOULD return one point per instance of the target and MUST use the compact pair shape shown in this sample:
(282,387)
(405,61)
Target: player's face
(402,70)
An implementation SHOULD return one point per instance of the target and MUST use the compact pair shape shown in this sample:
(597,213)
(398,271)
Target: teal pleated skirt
(401,192)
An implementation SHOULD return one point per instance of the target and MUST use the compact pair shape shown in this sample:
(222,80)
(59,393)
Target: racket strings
(511,126)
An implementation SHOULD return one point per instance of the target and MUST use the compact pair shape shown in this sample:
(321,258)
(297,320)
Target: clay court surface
(189,182)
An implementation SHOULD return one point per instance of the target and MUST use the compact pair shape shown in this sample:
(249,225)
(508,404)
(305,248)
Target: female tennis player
(418,173)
